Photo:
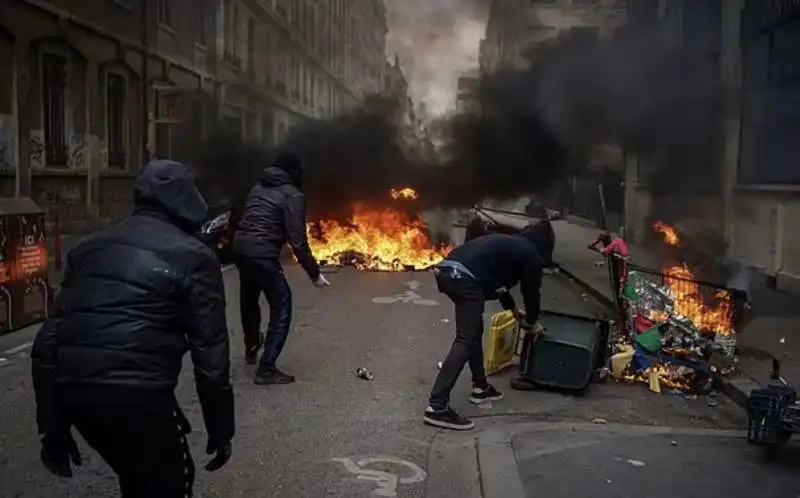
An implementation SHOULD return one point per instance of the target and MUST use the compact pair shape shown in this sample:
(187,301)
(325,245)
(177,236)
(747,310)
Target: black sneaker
(485,394)
(447,419)
(270,377)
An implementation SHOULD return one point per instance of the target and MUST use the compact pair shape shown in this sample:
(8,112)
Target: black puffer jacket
(134,298)
(274,214)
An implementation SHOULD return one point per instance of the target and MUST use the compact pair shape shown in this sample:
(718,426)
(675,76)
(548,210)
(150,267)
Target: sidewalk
(569,459)
(773,331)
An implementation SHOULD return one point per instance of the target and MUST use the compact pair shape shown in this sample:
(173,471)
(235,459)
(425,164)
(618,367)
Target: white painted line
(18,349)
(386,482)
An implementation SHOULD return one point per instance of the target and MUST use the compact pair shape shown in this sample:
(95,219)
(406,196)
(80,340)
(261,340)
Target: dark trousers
(257,276)
(143,442)
(467,347)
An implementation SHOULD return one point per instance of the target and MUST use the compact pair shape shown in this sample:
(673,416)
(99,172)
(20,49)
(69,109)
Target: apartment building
(96,88)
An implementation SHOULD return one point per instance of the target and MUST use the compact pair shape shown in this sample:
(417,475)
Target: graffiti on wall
(36,144)
(7,141)
(78,150)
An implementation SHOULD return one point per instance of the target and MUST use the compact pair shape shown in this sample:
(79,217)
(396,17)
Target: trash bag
(502,343)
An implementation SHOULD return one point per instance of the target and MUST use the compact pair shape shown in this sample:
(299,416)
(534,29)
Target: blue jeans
(265,275)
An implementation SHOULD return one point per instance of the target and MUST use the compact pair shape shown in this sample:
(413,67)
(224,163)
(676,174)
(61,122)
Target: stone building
(751,197)
(466,93)
(92,89)
(515,26)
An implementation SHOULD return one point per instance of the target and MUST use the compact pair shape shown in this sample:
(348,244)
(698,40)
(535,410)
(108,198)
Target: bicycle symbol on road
(386,482)
(409,296)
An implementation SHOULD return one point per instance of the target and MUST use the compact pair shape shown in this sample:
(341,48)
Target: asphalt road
(289,437)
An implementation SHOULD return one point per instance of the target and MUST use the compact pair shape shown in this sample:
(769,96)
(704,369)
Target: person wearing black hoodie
(134,298)
(273,214)
(485,268)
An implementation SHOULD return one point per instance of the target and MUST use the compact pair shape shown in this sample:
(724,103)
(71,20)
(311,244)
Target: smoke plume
(535,126)
(436,41)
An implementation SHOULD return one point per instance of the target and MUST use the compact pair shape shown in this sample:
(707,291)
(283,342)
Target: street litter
(439,365)
(668,346)
(636,463)
(673,443)
(363,373)
(445,320)
(599,420)
(599,264)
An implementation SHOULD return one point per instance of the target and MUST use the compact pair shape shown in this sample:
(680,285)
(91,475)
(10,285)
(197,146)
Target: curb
(737,389)
(600,296)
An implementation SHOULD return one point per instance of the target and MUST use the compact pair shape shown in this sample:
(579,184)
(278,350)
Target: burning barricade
(672,325)
(380,239)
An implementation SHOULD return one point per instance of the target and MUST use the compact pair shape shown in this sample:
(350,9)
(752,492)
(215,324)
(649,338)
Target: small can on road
(363,373)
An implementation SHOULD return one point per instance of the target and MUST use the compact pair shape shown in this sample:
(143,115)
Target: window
(165,12)
(54,107)
(202,26)
(251,46)
(117,120)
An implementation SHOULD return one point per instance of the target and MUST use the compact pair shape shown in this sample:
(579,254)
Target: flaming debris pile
(385,239)
(676,324)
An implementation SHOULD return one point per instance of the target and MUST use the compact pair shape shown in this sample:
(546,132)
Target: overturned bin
(24,290)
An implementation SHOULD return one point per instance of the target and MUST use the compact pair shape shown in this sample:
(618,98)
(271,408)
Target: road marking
(414,285)
(386,482)
(18,349)
(405,297)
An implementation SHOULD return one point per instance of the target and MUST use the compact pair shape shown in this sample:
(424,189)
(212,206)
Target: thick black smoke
(535,126)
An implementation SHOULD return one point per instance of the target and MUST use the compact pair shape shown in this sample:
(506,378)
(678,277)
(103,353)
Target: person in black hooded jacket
(485,268)
(134,298)
(274,214)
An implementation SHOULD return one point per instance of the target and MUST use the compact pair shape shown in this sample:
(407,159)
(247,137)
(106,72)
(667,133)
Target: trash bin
(24,291)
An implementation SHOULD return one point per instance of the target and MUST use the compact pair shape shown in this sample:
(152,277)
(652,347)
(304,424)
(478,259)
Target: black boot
(265,377)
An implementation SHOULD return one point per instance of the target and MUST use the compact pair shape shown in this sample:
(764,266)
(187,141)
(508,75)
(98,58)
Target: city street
(315,437)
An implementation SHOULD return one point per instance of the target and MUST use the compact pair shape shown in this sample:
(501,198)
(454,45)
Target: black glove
(58,450)
(223,454)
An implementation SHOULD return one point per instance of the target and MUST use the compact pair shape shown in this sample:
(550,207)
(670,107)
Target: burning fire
(403,193)
(712,318)
(377,239)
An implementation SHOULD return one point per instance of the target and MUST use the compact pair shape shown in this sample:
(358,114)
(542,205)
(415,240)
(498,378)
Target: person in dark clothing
(545,237)
(274,214)
(475,228)
(482,269)
(134,298)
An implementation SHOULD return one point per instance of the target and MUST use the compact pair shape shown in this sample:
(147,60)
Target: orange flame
(709,314)
(403,193)
(669,233)
(385,239)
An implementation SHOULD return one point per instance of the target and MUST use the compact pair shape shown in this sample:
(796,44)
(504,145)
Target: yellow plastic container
(502,342)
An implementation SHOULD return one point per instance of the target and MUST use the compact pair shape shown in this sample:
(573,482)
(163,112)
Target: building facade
(516,26)
(96,88)
(467,94)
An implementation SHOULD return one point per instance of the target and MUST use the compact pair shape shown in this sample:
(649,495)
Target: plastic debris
(783,340)
(599,264)
(363,373)
(673,443)
(439,365)
(636,463)
(599,420)
(608,481)
(445,320)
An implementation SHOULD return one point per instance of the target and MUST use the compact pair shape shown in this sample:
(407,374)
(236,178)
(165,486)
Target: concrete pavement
(332,434)
(567,459)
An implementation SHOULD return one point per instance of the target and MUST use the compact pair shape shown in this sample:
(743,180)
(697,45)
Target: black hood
(168,187)
(275,177)
(291,165)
